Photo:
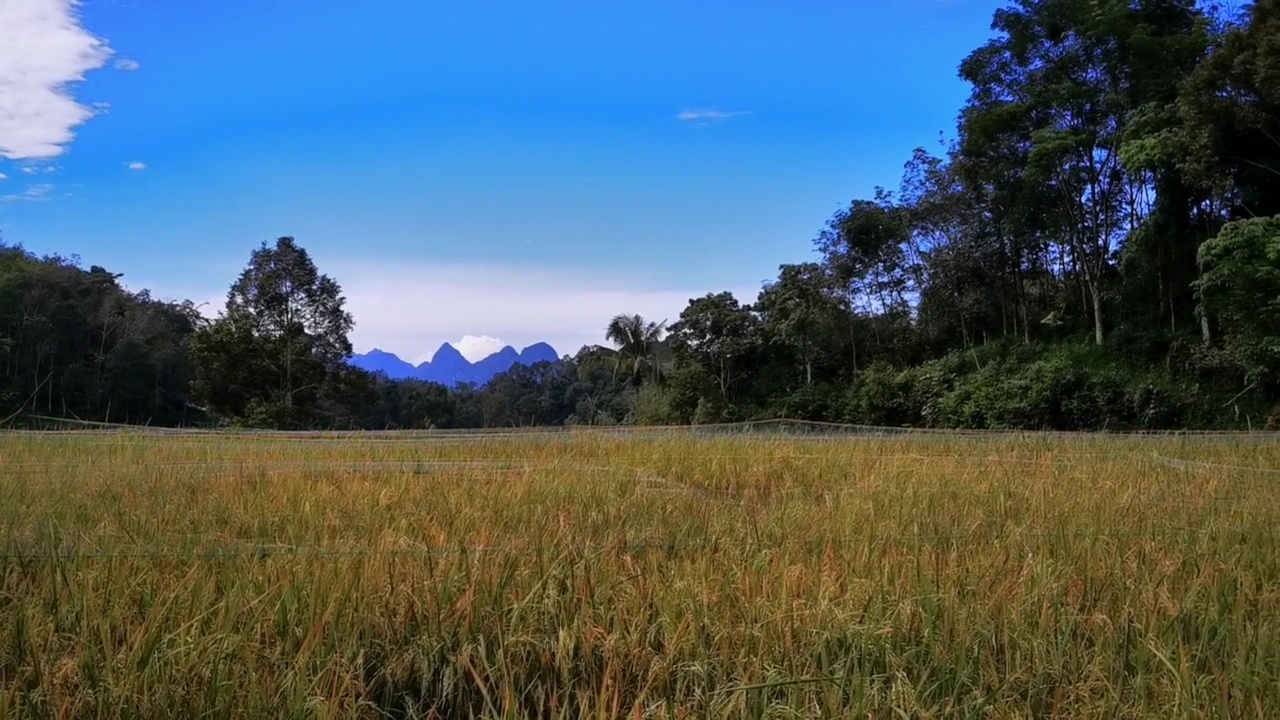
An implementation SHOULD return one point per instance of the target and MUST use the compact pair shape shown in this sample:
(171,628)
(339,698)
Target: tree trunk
(1020,300)
(1097,316)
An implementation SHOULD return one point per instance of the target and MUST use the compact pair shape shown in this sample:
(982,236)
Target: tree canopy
(279,344)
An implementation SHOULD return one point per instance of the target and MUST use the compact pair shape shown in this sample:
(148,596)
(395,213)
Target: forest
(1095,246)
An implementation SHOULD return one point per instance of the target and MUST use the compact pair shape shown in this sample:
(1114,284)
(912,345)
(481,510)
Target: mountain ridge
(449,367)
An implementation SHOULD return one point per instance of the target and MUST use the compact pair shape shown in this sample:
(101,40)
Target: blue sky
(500,171)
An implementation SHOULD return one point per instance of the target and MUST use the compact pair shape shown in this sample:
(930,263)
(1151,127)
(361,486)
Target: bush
(654,407)
(812,402)
(885,396)
(1068,386)
(713,410)
(1056,388)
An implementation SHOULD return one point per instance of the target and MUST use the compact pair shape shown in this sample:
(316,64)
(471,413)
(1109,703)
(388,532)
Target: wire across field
(737,573)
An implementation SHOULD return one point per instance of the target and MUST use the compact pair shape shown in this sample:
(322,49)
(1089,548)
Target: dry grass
(666,577)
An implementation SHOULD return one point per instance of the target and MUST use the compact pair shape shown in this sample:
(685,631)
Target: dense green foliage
(74,344)
(1097,247)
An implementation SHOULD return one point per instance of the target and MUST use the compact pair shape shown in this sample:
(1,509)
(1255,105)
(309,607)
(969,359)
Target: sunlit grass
(658,576)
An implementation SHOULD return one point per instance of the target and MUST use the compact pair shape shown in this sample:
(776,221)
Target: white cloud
(43,50)
(475,347)
(708,115)
(33,193)
(137,166)
(410,308)
(127,64)
(3,176)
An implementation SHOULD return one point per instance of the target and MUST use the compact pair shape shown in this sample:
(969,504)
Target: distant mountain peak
(450,367)
(446,351)
(538,352)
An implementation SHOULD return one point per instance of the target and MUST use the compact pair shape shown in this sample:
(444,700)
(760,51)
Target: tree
(972,268)
(864,247)
(865,250)
(720,334)
(802,312)
(281,337)
(1067,78)
(80,346)
(1240,287)
(1229,104)
(594,395)
(636,341)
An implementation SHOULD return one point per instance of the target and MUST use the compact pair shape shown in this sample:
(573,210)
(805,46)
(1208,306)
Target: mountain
(538,352)
(384,362)
(448,366)
(498,362)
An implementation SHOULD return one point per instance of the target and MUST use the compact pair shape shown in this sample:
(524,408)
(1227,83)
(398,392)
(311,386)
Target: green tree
(865,249)
(1229,104)
(636,342)
(721,335)
(802,312)
(974,269)
(1240,288)
(1064,79)
(280,339)
(80,346)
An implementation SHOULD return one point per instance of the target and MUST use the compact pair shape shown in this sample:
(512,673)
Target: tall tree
(282,336)
(719,334)
(865,248)
(1231,105)
(802,312)
(1070,76)
(971,278)
(636,343)
(1241,289)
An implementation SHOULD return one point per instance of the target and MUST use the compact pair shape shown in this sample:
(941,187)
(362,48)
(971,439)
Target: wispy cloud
(410,308)
(34,193)
(3,176)
(127,64)
(137,166)
(43,50)
(707,116)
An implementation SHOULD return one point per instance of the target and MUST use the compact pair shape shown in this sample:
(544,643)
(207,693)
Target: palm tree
(636,342)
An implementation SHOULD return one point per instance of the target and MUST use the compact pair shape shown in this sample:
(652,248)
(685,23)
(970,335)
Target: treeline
(73,343)
(1097,247)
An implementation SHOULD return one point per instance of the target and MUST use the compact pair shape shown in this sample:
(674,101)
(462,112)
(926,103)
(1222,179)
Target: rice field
(664,575)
